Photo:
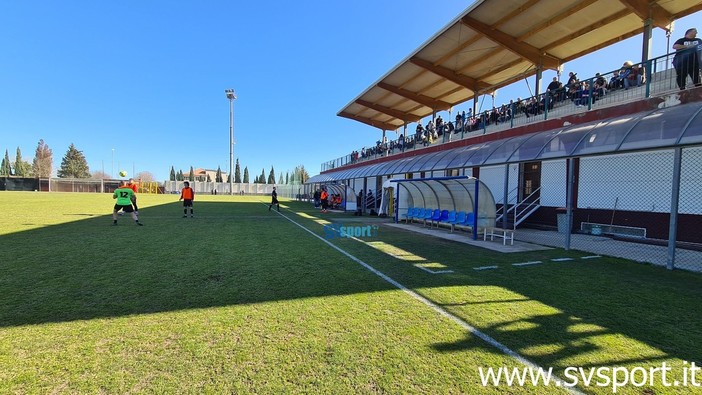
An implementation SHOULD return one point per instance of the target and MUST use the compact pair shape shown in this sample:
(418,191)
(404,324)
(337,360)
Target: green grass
(241,300)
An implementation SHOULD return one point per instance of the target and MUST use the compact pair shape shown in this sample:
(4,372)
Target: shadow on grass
(230,253)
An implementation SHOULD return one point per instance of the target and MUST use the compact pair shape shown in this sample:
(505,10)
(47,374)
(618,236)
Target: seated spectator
(600,86)
(631,74)
(555,88)
(615,82)
(459,123)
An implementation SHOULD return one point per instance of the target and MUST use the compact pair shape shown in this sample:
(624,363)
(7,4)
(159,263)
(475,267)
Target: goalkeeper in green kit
(124,195)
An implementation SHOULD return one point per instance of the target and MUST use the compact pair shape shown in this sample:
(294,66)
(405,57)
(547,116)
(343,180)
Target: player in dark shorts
(124,195)
(187,195)
(274,200)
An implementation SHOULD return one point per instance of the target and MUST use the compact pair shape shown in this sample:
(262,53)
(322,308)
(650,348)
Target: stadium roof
(675,126)
(494,43)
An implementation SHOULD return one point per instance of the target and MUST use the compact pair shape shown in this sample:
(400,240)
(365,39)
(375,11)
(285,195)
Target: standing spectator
(686,60)
(317,198)
(187,195)
(324,196)
(124,194)
(274,200)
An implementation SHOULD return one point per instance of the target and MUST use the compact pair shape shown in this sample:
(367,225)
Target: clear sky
(147,78)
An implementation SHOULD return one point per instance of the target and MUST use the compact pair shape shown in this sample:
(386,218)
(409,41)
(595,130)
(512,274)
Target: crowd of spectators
(575,91)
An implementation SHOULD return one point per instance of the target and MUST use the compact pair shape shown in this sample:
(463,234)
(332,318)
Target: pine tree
(5,167)
(73,164)
(42,165)
(287,177)
(237,172)
(22,168)
(191,175)
(271,176)
(262,178)
(218,176)
(173,174)
(246,175)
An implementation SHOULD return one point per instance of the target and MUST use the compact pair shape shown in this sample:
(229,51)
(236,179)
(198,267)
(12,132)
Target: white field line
(474,331)
(485,267)
(432,271)
(590,257)
(526,263)
(561,259)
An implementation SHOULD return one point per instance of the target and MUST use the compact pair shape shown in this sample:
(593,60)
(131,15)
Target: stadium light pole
(231,95)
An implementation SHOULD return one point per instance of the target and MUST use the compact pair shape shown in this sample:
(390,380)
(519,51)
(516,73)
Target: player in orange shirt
(187,195)
(134,187)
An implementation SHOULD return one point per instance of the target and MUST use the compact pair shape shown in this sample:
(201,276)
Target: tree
(300,175)
(5,167)
(218,176)
(173,174)
(280,179)
(209,179)
(191,175)
(287,177)
(99,175)
(262,178)
(237,172)
(271,176)
(246,175)
(145,176)
(42,165)
(180,176)
(22,167)
(73,164)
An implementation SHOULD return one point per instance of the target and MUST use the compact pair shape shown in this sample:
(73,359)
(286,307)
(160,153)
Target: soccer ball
(122,173)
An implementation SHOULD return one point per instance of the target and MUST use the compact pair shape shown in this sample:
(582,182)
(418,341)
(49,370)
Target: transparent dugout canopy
(447,193)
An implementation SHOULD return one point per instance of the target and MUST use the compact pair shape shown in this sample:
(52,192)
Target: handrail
(534,109)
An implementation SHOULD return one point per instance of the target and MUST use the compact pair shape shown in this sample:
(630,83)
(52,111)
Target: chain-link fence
(643,206)
(290,191)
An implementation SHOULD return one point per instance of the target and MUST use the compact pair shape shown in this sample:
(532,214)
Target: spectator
(600,85)
(615,82)
(556,90)
(686,60)
(631,74)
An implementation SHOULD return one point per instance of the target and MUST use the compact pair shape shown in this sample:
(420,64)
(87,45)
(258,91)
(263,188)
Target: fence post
(674,202)
(569,200)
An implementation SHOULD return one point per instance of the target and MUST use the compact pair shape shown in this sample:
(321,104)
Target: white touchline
(561,259)
(485,267)
(590,257)
(476,332)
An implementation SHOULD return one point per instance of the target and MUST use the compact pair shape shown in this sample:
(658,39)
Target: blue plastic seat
(419,216)
(408,214)
(435,215)
(450,217)
(443,216)
(458,219)
(468,222)
(427,215)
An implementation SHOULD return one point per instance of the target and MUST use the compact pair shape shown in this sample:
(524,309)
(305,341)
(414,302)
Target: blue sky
(147,79)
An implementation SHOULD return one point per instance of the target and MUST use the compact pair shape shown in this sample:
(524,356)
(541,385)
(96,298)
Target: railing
(653,77)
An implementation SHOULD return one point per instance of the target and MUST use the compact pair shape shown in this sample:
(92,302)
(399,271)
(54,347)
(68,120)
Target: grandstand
(617,163)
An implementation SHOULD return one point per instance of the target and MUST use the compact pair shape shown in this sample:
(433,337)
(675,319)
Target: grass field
(243,300)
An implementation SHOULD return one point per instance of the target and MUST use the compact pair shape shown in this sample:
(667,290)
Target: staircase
(517,212)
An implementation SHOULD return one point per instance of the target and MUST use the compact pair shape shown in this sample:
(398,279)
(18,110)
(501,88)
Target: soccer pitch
(241,300)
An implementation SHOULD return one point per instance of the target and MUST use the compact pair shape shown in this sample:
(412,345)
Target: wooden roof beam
(375,124)
(612,18)
(450,75)
(406,117)
(644,10)
(434,104)
(526,51)
(557,18)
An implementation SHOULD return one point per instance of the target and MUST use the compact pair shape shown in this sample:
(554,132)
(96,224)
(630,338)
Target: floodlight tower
(231,95)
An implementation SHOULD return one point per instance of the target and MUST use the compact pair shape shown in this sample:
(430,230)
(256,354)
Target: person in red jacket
(187,195)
